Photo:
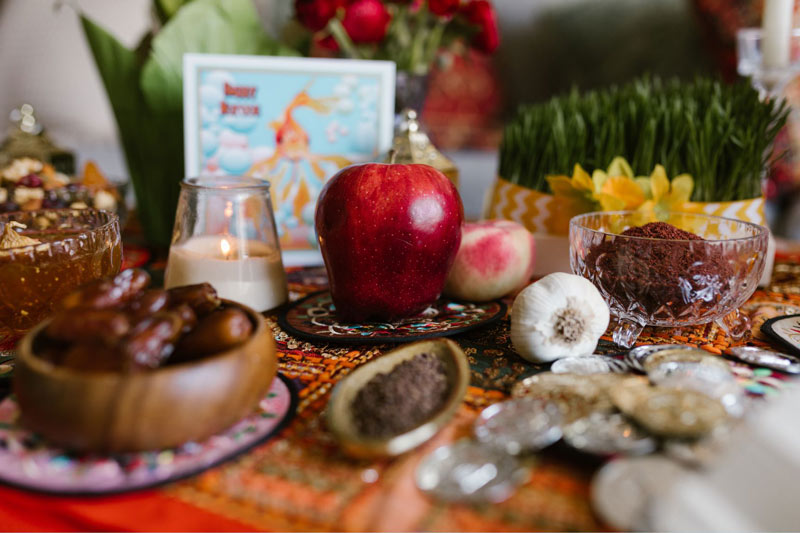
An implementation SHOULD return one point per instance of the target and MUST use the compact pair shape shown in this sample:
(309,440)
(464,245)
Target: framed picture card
(292,121)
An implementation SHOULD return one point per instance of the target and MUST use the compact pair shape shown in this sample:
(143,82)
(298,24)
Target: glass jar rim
(224,183)
(112,219)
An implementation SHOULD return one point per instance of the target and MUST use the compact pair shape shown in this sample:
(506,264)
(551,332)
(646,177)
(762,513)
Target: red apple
(388,234)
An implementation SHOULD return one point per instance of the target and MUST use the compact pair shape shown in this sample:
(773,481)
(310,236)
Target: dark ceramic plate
(785,330)
(314,318)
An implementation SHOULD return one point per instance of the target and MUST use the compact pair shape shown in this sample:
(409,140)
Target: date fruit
(106,293)
(188,317)
(217,332)
(102,326)
(202,298)
(151,301)
(153,339)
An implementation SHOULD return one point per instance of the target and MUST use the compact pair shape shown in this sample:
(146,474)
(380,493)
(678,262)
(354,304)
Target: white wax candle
(251,273)
(776,33)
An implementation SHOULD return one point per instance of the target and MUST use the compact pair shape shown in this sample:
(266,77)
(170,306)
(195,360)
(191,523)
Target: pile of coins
(684,404)
(491,466)
(596,406)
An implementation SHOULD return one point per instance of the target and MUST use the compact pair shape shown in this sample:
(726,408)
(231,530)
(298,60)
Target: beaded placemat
(29,462)
(314,318)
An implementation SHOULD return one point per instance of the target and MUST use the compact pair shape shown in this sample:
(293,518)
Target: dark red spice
(661,230)
(395,402)
(667,274)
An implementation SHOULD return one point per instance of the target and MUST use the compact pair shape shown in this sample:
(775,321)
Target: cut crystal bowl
(669,282)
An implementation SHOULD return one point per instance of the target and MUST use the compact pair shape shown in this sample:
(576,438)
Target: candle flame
(225,246)
(228,209)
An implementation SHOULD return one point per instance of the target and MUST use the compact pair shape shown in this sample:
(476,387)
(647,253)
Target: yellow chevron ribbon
(545,213)
(748,210)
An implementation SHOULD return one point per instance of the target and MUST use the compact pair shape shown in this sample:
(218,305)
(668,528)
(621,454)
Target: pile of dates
(121,325)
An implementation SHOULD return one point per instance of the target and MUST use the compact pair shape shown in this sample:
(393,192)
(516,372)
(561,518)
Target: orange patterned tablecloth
(300,481)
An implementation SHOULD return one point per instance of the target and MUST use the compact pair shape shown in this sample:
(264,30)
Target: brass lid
(27,138)
(411,145)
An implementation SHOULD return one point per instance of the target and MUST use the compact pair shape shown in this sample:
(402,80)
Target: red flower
(315,14)
(444,8)
(366,21)
(481,13)
(327,43)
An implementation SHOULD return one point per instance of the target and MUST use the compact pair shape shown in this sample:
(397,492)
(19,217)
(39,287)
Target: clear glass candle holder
(225,235)
(768,81)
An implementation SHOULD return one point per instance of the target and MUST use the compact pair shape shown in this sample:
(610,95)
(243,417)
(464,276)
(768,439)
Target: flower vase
(410,92)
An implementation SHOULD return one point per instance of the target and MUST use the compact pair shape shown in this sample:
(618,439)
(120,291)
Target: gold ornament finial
(411,145)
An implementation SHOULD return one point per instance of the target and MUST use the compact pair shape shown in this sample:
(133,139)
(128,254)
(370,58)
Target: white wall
(45,61)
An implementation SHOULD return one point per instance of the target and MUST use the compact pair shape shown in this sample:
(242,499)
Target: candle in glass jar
(249,272)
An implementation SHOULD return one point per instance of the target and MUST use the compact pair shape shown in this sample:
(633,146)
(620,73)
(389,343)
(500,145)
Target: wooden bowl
(116,412)
(340,414)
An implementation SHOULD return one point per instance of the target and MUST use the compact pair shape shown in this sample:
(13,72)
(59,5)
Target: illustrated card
(292,121)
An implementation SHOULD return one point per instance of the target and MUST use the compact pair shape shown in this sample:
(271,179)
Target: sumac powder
(395,402)
(666,274)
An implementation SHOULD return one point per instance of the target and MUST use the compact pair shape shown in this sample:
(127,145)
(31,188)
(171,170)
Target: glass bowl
(669,282)
(77,246)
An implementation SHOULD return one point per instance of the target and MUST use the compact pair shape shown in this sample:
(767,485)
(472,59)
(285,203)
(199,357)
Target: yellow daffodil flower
(577,191)
(664,196)
(617,189)
(612,190)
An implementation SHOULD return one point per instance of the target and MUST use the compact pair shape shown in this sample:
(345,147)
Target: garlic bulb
(561,315)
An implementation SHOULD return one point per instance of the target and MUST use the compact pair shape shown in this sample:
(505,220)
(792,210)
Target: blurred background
(44,61)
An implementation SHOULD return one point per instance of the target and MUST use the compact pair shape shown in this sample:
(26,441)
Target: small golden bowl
(127,412)
(340,414)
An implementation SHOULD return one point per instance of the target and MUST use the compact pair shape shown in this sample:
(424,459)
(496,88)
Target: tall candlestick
(777,33)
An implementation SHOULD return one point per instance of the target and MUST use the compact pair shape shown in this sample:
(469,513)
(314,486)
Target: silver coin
(767,358)
(636,356)
(699,452)
(519,425)
(589,364)
(690,370)
(468,471)
(624,490)
(715,381)
(604,433)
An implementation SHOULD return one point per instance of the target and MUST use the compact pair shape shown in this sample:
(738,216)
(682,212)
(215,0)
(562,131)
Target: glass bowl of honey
(45,255)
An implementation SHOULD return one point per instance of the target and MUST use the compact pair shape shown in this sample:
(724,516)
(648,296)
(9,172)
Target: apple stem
(392,156)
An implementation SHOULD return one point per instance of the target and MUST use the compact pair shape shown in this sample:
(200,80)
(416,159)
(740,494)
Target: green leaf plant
(720,134)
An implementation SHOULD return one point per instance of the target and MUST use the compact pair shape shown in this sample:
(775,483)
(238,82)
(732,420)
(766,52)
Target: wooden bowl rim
(25,352)
(359,446)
